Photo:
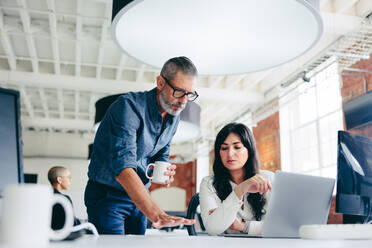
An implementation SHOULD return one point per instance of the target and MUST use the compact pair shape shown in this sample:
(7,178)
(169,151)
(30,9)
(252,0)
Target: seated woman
(234,199)
(60,179)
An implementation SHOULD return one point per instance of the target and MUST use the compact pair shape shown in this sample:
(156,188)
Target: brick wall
(267,135)
(334,218)
(353,86)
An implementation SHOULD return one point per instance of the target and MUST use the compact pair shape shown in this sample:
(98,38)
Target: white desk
(174,241)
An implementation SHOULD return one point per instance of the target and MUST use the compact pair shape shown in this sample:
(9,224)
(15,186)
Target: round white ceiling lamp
(221,37)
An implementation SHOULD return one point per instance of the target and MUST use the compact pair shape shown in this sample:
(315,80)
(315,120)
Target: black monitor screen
(30,178)
(354,174)
(11,169)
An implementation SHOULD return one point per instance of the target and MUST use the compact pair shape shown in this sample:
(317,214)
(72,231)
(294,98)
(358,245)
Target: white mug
(160,167)
(26,216)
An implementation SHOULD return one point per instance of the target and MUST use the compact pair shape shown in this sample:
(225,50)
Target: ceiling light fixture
(221,37)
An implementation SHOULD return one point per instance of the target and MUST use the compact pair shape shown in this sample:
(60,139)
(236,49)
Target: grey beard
(167,105)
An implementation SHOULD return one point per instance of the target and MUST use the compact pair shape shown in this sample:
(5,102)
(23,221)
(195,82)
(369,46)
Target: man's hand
(165,220)
(133,185)
(171,171)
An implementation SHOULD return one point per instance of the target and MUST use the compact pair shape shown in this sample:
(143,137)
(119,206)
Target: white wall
(57,145)
(43,150)
(78,168)
(170,199)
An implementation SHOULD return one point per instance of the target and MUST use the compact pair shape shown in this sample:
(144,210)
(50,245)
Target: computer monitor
(354,177)
(11,166)
(30,178)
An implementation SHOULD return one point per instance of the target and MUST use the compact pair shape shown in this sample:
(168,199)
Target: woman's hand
(255,184)
(237,225)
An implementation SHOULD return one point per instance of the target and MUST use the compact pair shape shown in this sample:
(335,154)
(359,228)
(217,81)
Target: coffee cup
(160,167)
(26,216)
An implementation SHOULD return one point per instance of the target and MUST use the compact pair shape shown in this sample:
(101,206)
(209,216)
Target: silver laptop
(296,200)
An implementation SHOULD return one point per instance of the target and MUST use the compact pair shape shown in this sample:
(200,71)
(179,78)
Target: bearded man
(137,130)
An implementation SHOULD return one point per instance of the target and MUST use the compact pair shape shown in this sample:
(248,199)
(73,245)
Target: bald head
(55,172)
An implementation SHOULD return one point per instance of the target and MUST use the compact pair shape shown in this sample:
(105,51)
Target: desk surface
(174,241)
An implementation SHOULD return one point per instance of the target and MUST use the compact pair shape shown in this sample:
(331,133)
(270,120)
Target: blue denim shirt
(131,136)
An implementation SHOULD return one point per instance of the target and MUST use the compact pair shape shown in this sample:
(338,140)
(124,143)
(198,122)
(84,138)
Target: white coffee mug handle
(69,219)
(147,169)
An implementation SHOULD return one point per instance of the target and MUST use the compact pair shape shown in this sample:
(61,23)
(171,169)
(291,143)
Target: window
(310,116)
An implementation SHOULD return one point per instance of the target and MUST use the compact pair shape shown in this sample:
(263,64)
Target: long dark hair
(222,175)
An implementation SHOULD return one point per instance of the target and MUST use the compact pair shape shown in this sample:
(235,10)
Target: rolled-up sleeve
(122,135)
(225,212)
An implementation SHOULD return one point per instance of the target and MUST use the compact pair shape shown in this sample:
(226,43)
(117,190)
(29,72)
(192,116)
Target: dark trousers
(112,211)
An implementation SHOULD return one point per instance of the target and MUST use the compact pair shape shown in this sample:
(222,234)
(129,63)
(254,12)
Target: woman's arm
(224,213)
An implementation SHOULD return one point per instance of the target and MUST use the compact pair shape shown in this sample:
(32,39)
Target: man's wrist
(155,215)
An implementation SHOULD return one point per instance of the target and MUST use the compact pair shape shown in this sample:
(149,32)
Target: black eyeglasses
(178,93)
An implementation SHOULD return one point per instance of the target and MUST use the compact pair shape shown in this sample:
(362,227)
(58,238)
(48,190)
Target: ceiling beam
(65,32)
(323,2)
(44,102)
(119,70)
(231,96)
(61,107)
(340,24)
(70,113)
(71,124)
(213,112)
(214,81)
(53,34)
(27,102)
(140,73)
(26,23)
(77,105)
(73,62)
(78,35)
(7,45)
(101,50)
(91,108)
(233,80)
(364,7)
(341,6)
(111,86)
(62,14)
(255,78)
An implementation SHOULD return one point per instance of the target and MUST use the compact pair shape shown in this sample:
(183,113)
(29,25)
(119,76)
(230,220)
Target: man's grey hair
(173,65)
(54,172)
